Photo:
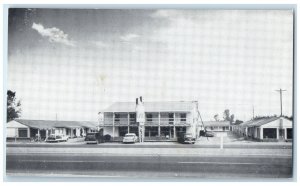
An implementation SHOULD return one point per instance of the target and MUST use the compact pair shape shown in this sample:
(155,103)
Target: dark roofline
(60,125)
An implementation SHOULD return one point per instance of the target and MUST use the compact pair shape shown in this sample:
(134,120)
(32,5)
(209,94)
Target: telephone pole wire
(280,91)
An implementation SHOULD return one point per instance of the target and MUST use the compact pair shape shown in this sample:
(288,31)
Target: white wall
(11,132)
(12,129)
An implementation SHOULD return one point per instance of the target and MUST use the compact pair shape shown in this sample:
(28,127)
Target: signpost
(140,117)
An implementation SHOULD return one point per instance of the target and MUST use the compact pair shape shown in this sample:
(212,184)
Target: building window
(289,133)
(123,131)
(117,117)
(171,118)
(23,132)
(132,116)
(270,133)
(149,117)
(183,117)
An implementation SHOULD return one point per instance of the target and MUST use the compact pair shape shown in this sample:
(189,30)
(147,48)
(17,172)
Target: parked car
(64,138)
(130,138)
(57,138)
(186,138)
(205,133)
(93,138)
(209,134)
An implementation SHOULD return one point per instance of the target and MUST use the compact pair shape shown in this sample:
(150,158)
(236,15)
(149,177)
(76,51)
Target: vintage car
(186,138)
(209,134)
(93,138)
(130,138)
(57,138)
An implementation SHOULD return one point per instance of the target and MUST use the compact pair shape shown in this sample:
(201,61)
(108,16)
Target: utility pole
(280,91)
(252,111)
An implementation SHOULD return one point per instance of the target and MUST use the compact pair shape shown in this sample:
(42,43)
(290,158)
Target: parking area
(228,138)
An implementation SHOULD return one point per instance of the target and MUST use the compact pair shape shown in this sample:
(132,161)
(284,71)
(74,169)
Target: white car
(64,138)
(130,138)
(57,138)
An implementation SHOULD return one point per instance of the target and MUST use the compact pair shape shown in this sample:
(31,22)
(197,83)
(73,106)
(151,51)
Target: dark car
(209,134)
(186,138)
(93,138)
(206,133)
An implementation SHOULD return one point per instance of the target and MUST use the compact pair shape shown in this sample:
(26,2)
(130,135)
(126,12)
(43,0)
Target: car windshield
(129,135)
(90,136)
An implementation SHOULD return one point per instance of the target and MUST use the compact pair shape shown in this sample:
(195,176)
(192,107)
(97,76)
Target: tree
(13,106)
(216,117)
(237,122)
(227,116)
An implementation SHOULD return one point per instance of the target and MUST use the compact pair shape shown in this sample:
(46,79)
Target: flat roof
(168,106)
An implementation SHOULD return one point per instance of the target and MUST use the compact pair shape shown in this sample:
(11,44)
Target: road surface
(150,162)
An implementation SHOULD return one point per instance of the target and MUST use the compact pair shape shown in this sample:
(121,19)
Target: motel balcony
(149,122)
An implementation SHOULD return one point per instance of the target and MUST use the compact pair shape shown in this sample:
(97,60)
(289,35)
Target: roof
(15,124)
(216,123)
(258,122)
(171,106)
(48,124)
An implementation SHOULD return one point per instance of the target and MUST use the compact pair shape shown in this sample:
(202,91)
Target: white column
(113,125)
(158,124)
(39,135)
(277,133)
(174,128)
(128,121)
(285,133)
(28,132)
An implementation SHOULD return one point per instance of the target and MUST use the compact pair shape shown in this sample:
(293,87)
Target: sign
(140,113)
(140,117)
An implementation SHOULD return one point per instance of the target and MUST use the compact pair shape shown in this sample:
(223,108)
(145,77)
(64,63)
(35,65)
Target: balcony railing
(149,121)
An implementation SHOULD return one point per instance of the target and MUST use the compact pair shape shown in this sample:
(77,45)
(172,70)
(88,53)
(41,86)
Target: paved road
(149,166)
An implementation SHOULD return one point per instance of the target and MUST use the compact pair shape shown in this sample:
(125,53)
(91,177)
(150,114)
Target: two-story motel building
(164,120)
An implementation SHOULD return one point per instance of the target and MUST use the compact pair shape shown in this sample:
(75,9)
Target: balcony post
(158,124)
(128,121)
(174,130)
(113,134)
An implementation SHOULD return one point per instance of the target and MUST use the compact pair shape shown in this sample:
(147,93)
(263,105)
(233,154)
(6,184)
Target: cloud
(53,34)
(129,37)
(100,44)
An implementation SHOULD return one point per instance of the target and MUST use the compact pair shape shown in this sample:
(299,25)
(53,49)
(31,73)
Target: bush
(107,137)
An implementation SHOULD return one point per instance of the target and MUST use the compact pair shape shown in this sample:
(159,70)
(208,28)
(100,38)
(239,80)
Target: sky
(69,64)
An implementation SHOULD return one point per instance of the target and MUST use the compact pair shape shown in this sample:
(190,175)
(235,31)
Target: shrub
(107,137)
